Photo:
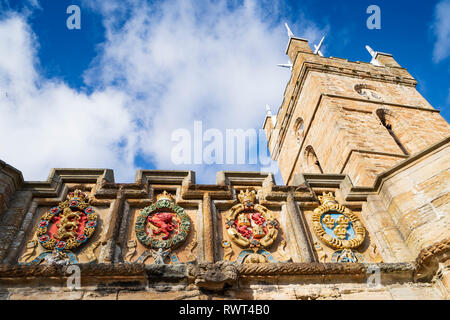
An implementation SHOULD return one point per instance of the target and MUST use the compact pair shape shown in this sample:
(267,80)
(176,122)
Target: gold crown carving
(326,198)
(247,196)
(76,195)
(164,196)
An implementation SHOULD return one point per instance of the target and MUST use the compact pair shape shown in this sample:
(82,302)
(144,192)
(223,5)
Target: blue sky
(136,71)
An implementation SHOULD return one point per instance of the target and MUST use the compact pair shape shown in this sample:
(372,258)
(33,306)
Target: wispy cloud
(441,29)
(162,67)
(45,124)
(196,60)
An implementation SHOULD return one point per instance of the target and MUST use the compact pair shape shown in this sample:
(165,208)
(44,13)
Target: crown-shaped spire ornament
(247,197)
(76,195)
(164,196)
(327,198)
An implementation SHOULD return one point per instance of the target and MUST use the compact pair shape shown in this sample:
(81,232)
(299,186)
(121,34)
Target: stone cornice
(59,177)
(411,159)
(165,177)
(315,268)
(140,270)
(387,154)
(13,173)
(356,193)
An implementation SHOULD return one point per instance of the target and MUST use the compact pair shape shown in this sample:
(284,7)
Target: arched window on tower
(299,130)
(388,121)
(311,161)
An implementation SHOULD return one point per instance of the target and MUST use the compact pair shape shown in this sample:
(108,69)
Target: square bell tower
(353,118)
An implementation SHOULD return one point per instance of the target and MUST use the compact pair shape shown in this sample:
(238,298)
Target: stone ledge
(45,271)
(429,258)
(181,270)
(315,268)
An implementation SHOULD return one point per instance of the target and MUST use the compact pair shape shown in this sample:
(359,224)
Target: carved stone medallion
(62,229)
(249,224)
(163,225)
(339,228)
(68,225)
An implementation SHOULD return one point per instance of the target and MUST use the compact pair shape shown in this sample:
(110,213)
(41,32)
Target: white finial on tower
(373,53)
(270,115)
(285,65)
(317,51)
(290,34)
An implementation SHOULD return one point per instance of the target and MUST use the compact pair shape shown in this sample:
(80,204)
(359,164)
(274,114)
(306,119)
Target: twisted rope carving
(37,271)
(426,255)
(264,269)
(274,269)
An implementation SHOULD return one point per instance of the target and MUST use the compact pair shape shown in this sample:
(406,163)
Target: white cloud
(45,124)
(441,29)
(161,68)
(196,60)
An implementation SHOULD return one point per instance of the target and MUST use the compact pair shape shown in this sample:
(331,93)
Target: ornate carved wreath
(336,225)
(251,225)
(163,224)
(68,225)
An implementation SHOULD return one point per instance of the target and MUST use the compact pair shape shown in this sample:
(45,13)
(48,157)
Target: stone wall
(404,241)
(413,202)
(180,282)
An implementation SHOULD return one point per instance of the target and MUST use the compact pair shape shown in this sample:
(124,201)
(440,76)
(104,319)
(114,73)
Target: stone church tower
(350,118)
(364,214)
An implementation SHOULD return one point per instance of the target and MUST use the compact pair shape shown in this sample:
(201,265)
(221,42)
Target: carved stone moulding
(232,272)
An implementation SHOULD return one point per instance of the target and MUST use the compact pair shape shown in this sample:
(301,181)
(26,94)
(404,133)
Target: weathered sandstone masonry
(411,266)
(364,214)
(347,117)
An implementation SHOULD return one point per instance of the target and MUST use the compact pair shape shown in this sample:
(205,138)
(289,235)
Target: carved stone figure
(160,255)
(131,250)
(321,254)
(227,250)
(163,222)
(90,252)
(347,255)
(190,250)
(213,276)
(373,253)
(30,249)
(255,258)
(57,257)
(285,257)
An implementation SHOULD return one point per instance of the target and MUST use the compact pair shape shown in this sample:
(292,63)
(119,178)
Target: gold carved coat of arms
(339,228)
